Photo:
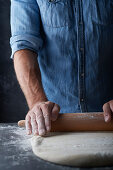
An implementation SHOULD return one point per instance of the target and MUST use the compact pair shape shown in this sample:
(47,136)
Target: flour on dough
(75,149)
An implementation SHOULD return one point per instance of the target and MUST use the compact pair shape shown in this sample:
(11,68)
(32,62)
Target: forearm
(29,77)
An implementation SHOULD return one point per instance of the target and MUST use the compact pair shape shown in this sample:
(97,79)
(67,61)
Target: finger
(34,124)
(107,112)
(111,107)
(46,110)
(55,112)
(40,122)
(28,125)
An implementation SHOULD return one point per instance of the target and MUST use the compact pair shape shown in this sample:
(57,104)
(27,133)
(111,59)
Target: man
(73,42)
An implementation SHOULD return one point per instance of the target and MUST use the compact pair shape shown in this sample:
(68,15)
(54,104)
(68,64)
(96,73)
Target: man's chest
(61,13)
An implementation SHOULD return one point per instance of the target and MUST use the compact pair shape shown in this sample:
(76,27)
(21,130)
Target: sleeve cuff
(25,42)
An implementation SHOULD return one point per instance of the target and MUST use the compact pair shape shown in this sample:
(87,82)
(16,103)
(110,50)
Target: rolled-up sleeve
(25,26)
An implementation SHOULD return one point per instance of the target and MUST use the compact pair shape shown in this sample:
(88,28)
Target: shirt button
(80,23)
(51,0)
(81,49)
(82,100)
(82,75)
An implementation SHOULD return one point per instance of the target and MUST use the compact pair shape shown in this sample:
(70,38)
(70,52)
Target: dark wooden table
(16,152)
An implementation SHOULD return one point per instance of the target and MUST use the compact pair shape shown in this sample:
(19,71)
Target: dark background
(12,102)
(13,106)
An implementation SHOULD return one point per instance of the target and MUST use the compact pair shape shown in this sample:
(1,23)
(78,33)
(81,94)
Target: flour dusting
(16,138)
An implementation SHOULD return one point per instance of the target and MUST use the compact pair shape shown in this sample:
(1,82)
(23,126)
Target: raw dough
(75,149)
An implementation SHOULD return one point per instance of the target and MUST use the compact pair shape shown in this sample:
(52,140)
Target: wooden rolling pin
(69,122)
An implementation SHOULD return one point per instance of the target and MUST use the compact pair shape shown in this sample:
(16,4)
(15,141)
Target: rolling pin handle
(21,123)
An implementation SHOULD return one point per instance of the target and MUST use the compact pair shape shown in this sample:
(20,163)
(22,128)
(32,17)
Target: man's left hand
(108,110)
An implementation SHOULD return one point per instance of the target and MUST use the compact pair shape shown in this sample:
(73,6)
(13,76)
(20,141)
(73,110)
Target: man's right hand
(38,119)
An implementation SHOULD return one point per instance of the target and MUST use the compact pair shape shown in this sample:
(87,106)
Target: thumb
(55,112)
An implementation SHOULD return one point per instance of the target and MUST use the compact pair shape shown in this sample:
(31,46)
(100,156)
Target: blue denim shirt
(73,40)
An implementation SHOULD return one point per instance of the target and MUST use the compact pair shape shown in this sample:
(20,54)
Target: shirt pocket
(56,13)
(102,12)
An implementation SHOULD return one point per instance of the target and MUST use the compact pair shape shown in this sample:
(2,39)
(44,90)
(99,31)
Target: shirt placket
(81,59)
